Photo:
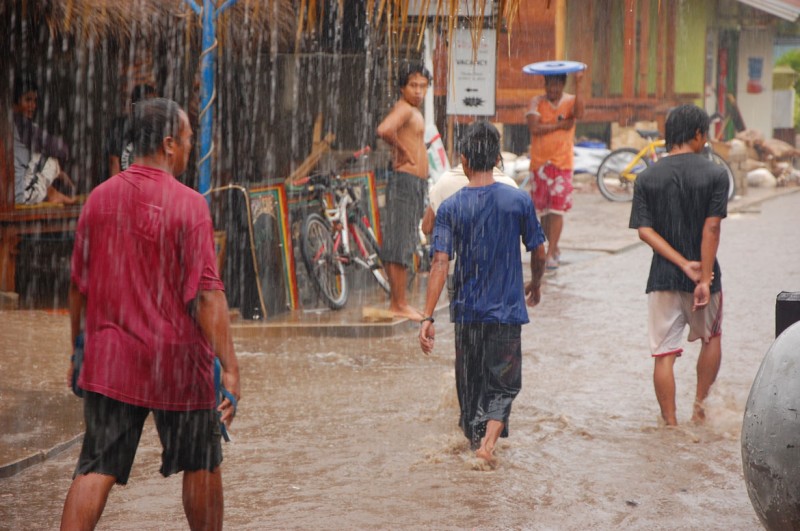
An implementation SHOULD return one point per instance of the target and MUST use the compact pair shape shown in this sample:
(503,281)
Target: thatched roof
(393,15)
(124,20)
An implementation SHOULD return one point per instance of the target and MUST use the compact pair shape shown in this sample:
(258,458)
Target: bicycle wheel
(610,179)
(714,157)
(370,258)
(322,261)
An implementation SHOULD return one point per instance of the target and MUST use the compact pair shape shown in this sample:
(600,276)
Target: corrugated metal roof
(786,9)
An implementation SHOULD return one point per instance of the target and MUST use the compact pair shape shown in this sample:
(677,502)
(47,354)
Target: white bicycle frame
(339,214)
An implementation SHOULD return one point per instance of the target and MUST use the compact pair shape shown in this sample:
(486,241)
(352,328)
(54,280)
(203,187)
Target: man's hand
(567,123)
(702,295)
(426,336)
(210,310)
(230,380)
(692,270)
(533,293)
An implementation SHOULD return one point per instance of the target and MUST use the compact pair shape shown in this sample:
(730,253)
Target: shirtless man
(403,129)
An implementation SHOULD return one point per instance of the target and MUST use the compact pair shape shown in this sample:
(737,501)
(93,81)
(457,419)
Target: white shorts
(668,314)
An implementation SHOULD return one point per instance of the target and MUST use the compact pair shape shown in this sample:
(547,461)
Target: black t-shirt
(674,197)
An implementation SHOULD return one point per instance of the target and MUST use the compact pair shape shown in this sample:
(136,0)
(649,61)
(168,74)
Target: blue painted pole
(207,95)
(207,85)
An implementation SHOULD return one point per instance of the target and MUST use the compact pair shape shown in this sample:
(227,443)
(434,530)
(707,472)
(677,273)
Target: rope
(205,109)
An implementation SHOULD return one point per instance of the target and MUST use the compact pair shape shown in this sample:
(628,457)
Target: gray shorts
(405,201)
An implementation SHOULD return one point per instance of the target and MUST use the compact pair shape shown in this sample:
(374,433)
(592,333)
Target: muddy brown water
(361,434)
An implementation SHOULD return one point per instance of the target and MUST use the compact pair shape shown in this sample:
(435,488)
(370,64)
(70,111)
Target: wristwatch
(429,318)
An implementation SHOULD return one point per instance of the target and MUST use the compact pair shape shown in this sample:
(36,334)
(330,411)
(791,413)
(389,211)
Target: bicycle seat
(648,134)
(319,179)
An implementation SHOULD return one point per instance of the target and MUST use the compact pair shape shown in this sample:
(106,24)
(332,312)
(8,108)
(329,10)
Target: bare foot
(407,312)
(485,454)
(481,465)
(699,414)
(664,423)
(54,196)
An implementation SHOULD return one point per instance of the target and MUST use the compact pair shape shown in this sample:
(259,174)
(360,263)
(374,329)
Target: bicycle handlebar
(366,150)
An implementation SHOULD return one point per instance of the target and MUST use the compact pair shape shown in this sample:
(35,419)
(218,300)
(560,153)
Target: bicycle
(619,169)
(337,237)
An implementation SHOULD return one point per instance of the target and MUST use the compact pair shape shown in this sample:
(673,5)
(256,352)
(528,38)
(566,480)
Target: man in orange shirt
(551,122)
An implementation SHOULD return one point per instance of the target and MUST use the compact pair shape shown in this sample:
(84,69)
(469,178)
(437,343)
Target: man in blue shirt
(482,225)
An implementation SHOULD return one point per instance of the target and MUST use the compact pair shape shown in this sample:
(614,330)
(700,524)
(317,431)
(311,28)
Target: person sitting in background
(38,156)
(120,147)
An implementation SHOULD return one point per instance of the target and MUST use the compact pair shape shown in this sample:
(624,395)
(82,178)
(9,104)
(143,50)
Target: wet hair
(23,83)
(409,69)
(480,145)
(683,123)
(154,120)
(142,91)
(556,77)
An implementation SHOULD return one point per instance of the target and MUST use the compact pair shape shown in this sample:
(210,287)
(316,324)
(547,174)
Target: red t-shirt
(144,247)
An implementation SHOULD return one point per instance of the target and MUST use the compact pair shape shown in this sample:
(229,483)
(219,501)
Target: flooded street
(362,433)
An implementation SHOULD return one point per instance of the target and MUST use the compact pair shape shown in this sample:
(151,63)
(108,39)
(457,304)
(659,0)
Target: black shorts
(190,439)
(488,374)
(405,201)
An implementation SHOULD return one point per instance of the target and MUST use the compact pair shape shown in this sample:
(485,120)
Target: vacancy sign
(471,82)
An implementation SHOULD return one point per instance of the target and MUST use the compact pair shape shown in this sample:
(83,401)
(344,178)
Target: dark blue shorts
(488,374)
(190,439)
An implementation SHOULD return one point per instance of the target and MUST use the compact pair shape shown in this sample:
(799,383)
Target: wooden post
(6,166)
(629,49)
(669,60)
(644,56)
(560,29)
(660,55)
(9,240)
(8,236)
(319,149)
(450,141)
(601,36)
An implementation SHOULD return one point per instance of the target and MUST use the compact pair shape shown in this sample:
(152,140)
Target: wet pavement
(359,431)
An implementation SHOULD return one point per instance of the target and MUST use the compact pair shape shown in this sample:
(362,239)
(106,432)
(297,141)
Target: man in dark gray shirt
(678,206)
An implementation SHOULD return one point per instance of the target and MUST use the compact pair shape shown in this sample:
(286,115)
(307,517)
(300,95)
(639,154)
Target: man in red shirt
(144,274)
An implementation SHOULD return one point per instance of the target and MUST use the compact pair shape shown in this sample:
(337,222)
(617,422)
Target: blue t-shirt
(482,227)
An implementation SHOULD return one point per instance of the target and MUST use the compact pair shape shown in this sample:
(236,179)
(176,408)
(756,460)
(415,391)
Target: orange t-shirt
(555,147)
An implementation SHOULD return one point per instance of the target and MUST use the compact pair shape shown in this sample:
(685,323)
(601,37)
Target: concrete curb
(748,203)
(18,466)
(327,329)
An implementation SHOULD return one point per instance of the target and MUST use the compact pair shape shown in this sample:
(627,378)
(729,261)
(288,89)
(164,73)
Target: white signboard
(466,8)
(471,77)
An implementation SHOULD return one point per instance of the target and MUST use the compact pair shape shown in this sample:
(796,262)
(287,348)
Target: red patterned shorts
(551,190)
